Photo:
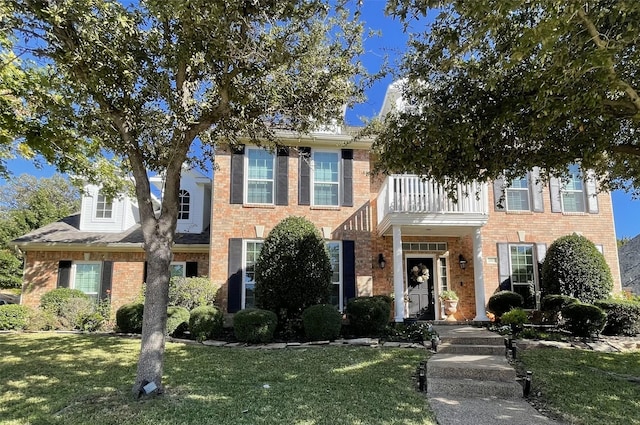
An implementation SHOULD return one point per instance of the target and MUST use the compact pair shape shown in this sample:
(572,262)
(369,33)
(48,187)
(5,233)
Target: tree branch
(602,45)
(627,149)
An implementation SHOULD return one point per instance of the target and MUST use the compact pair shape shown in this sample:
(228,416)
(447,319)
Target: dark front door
(420,288)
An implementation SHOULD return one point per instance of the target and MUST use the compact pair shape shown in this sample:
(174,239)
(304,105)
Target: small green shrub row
(14,317)
(504,301)
(623,317)
(368,315)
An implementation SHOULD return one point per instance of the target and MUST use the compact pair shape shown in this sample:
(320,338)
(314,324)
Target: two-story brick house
(383,233)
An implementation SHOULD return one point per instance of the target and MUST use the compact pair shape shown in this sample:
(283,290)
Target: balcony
(422,207)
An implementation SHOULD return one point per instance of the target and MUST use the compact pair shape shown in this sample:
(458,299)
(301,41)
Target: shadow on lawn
(74,379)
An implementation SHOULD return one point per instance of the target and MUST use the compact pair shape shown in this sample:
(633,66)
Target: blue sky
(391,44)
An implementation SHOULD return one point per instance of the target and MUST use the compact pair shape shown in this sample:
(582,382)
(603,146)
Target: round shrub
(75,313)
(321,322)
(368,315)
(254,325)
(14,316)
(192,292)
(177,320)
(573,266)
(52,301)
(205,322)
(504,301)
(584,320)
(555,303)
(293,271)
(129,318)
(623,317)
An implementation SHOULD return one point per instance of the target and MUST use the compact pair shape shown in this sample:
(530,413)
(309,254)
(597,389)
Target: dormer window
(184,200)
(104,207)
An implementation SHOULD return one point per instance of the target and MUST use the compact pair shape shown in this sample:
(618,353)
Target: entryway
(420,278)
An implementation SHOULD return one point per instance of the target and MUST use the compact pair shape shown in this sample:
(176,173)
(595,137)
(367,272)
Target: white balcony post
(478,277)
(398,275)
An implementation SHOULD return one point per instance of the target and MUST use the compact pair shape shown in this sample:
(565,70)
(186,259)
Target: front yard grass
(49,378)
(587,387)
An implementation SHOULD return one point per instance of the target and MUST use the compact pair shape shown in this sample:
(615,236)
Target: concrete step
(479,349)
(464,366)
(473,340)
(473,388)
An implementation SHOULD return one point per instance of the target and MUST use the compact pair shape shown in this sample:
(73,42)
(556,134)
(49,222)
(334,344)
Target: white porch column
(398,274)
(478,276)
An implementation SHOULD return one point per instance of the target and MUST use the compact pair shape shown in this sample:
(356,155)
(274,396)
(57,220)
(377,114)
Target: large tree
(27,203)
(149,81)
(493,85)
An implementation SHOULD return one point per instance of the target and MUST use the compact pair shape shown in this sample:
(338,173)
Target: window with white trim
(517,195)
(335,255)
(442,274)
(250,254)
(86,277)
(325,185)
(572,194)
(104,206)
(524,274)
(184,201)
(178,269)
(259,181)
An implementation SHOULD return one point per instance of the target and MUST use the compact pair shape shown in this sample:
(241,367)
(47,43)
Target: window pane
(104,207)
(251,256)
(443,274)
(325,194)
(334,256)
(177,270)
(573,201)
(184,200)
(87,278)
(325,178)
(517,200)
(523,273)
(260,169)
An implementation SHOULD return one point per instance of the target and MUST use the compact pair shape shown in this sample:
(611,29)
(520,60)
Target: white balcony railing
(403,193)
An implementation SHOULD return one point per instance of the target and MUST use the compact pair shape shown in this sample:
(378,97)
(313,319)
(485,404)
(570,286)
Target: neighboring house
(629,255)
(383,233)
(100,250)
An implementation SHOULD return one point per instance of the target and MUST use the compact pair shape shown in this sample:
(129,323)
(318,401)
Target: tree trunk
(151,360)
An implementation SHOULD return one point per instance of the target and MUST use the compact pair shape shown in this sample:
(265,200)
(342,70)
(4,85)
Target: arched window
(184,200)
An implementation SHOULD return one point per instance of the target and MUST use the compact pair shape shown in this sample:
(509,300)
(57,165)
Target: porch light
(462,261)
(381,261)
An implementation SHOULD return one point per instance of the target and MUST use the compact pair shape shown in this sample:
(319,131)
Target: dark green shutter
(304,183)
(64,273)
(191,269)
(282,176)
(105,281)
(234,284)
(237,175)
(348,271)
(347,177)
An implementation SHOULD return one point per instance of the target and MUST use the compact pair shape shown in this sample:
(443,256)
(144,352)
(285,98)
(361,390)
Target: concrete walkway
(481,390)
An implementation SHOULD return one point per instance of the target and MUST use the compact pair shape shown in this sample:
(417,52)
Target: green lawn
(71,379)
(587,387)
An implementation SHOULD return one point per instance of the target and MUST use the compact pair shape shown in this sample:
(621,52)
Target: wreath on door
(419,274)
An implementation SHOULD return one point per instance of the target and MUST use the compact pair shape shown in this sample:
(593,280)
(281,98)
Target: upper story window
(572,194)
(259,184)
(184,201)
(326,178)
(104,207)
(517,195)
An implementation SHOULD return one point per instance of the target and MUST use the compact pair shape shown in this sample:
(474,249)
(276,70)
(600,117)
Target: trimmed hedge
(555,303)
(255,325)
(14,316)
(573,266)
(584,320)
(192,292)
(205,322)
(53,300)
(368,315)
(504,301)
(322,322)
(623,317)
(129,318)
(177,320)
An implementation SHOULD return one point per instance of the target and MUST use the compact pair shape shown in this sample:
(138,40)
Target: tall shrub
(192,292)
(293,271)
(573,266)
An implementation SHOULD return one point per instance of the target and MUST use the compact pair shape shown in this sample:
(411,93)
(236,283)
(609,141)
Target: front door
(420,288)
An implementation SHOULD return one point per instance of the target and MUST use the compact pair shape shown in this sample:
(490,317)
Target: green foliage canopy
(493,86)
